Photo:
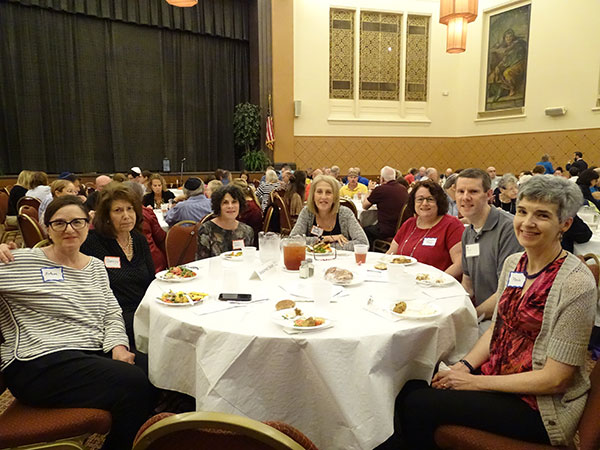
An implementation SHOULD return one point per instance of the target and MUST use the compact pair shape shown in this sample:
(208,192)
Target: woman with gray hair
(529,365)
(506,197)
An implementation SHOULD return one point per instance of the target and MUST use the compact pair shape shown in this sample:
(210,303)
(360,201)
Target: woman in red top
(252,215)
(432,236)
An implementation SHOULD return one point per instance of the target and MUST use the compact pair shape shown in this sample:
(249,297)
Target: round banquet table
(337,385)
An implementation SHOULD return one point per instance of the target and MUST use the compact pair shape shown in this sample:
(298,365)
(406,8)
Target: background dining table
(336,384)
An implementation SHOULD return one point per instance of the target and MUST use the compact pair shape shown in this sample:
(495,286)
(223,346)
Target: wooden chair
(594,268)
(285,222)
(383,245)
(30,201)
(27,427)
(455,437)
(29,211)
(208,217)
(267,218)
(181,242)
(30,230)
(348,203)
(44,243)
(217,431)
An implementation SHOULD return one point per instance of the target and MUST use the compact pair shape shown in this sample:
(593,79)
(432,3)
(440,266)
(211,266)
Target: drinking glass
(360,253)
(268,245)
(294,251)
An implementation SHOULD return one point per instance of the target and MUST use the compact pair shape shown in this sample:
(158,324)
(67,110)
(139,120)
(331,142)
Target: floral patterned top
(214,240)
(518,324)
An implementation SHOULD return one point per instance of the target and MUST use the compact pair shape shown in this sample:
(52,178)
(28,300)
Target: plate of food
(176,274)
(414,310)
(181,298)
(434,280)
(299,320)
(343,277)
(235,255)
(320,248)
(401,259)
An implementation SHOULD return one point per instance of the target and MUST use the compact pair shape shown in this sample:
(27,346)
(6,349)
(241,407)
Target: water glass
(360,253)
(321,293)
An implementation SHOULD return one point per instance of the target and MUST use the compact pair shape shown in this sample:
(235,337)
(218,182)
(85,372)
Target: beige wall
(563,70)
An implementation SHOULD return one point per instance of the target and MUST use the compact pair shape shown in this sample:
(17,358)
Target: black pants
(86,380)
(373,233)
(420,409)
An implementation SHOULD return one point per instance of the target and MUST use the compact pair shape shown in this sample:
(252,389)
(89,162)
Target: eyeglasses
(60,225)
(424,199)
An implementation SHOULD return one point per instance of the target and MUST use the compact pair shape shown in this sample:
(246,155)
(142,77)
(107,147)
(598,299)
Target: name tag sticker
(472,250)
(112,262)
(516,279)
(238,244)
(52,274)
(316,231)
(429,241)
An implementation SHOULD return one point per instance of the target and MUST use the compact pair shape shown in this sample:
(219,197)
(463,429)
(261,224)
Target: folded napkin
(305,290)
(439,292)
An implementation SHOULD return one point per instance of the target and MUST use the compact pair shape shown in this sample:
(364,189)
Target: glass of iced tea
(360,253)
(294,251)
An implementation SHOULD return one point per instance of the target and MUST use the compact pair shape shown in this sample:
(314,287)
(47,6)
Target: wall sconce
(182,3)
(455,14)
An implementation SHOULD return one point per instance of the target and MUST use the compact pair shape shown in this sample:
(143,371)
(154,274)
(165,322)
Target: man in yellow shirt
(353,187)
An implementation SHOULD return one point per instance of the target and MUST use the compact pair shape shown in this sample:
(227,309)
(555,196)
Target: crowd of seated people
(479,227)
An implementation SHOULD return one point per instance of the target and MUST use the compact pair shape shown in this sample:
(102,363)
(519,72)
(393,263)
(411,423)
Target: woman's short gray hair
(556,190)
(506,180)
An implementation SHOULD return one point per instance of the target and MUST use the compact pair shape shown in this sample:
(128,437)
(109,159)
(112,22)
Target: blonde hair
(59,186)
(335,187)
(271,176)
(157,176)
(247,190)
(213,185)
(25,178)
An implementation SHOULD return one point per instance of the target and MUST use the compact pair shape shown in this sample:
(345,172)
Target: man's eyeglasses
(60,225)
(424,199)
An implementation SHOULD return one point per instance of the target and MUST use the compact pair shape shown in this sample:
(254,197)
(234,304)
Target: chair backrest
(212,430)
(43,243)
(208,217)
(594,267)
(31,201)
(30,230)
(29,211)
(267,218)
(348,203)
(3,206)
(284,216)
(181,242)
(589,431)
(404,216)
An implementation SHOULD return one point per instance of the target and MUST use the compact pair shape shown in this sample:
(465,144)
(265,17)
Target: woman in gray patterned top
(224,232)
(323,217)
(65,341)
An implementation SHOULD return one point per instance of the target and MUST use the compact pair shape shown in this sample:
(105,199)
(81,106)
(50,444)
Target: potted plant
(246,135)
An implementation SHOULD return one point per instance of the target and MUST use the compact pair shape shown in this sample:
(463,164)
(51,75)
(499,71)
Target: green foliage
(255,160)
(246,126)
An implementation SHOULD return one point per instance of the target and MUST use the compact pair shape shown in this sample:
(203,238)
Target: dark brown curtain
(95,92)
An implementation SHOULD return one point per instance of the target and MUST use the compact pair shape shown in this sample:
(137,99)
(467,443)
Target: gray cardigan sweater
(348,224)
(564,335)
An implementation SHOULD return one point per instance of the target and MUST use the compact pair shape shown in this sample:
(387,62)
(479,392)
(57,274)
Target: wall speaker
(556,111)
(297,108)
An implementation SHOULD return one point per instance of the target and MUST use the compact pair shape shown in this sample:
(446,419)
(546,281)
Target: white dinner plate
(417,310)
(389,258)
(357,278)
(161,276)
(436,280)
(233,255)
(286,318)
(159,300)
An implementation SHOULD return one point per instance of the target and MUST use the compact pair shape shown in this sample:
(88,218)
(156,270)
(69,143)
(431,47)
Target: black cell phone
(235,297)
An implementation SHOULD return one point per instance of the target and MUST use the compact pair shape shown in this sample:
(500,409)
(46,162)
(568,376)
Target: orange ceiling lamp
(182,3)
(455,14)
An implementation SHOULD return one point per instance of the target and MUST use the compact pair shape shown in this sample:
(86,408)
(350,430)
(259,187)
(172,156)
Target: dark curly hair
(217,198)
(115,191)
(436,192)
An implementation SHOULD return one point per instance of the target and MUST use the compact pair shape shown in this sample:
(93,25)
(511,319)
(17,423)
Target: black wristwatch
(467,365)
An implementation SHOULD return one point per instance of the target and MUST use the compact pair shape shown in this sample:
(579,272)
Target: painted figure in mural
(508,62)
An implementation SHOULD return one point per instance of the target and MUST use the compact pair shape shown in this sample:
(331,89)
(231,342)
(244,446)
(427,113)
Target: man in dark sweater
(577,162)
(390,197)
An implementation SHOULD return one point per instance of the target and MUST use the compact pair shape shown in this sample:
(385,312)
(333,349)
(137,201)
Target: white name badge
(238,244)
(516,279)
(316,231)
(112,262)
(472,250)
(429,242)
(52,274)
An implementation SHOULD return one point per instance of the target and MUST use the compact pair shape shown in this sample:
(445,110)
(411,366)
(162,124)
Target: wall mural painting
(507,59)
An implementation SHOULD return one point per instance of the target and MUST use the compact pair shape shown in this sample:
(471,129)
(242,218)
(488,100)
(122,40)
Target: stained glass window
(341,53)
(417,38)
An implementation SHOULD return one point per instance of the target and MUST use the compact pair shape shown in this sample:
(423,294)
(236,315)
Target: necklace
(127,248)
(422,238)
(535,275)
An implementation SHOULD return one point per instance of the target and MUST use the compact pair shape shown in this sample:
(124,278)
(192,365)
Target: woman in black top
(506,198)
(117,241)
(158,192)
(18,191)
(587,179)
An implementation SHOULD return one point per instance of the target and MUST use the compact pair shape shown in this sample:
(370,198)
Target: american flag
(270,134)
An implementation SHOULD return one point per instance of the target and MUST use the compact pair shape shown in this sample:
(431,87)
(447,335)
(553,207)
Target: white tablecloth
(161,219)
(366,217)
(592,246)
(336,385)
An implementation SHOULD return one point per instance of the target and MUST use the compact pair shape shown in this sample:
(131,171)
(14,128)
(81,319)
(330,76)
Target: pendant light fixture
(182,3)
(455,14)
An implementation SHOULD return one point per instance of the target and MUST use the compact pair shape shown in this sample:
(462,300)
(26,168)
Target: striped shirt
(39,317)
